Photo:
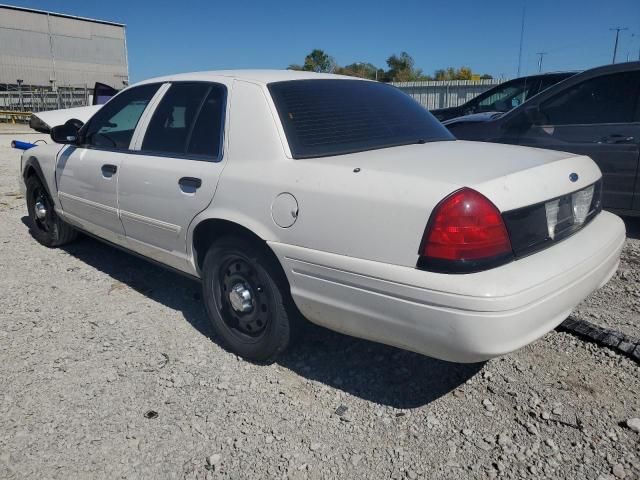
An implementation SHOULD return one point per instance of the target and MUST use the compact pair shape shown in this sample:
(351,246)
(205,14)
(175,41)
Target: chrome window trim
(141,128)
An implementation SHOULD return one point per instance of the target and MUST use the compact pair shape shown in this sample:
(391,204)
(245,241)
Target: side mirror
(67,133)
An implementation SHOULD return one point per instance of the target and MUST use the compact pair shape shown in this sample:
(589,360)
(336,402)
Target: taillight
(465,234)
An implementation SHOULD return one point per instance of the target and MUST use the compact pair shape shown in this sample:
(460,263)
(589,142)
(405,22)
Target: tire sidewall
(45,238)
(277,334)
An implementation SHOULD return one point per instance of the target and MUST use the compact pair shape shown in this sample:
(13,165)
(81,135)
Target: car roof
(584,75)
(548,74)
(257,76)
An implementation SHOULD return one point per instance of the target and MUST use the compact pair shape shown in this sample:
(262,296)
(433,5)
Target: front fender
(42,161)
(31,166)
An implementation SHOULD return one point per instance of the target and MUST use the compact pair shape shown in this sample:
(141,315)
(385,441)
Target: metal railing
(16,100)
(25,98)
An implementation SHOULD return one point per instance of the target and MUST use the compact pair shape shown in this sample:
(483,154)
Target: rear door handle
(109,170)
(189,184)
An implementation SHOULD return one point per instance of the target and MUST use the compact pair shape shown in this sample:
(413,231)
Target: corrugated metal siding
(450,93)
(37,48)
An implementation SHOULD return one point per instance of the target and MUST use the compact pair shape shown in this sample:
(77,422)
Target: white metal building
(46,49)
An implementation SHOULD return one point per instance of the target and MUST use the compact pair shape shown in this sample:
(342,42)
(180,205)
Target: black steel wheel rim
(40,196)
(235,271)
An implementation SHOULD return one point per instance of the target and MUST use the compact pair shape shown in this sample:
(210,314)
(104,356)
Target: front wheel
(247,299)
(47,227)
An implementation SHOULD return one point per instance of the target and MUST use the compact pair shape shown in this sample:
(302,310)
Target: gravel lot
(92,339)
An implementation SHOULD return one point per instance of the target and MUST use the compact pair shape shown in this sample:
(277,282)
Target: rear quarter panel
(369,214)
(370,205)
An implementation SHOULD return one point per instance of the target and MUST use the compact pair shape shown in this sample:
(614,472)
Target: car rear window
(188,122)
(334,117)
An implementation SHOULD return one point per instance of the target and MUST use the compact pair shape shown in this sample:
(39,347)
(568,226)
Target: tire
(261,320)
(47,227)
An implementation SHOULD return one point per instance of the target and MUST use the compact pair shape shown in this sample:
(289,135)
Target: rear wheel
(47,228)
(247,299)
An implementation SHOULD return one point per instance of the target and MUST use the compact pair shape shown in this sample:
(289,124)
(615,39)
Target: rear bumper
(461,318)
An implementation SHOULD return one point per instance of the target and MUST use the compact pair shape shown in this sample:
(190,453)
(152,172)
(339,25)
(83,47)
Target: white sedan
(297,195)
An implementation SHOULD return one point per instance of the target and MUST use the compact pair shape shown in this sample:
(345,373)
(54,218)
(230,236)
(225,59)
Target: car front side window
(605,99)
(113,125)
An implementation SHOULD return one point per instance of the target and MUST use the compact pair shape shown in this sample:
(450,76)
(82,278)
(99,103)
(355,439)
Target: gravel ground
(617,304)
(107,370)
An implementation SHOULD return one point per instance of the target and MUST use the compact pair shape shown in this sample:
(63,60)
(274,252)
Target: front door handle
(616,138)
(189,184)
(109,170)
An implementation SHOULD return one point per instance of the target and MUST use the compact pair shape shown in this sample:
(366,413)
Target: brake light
(465,233)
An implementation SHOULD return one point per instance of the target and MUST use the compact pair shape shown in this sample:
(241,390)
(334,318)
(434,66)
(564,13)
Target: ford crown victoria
(295,195)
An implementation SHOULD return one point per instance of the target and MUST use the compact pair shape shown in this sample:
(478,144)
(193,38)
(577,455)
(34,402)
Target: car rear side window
(188,121)
(334,117)
(605,99)
(206,138)
(113,125)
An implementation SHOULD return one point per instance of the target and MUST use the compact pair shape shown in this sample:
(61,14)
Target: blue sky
(169,37)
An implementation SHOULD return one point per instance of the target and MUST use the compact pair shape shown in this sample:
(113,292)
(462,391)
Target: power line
(540,57)
(615,46)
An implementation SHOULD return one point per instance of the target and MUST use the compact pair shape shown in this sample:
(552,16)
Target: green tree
(462,73)
(359,69)
(318,61)
(440,75)
(402,68)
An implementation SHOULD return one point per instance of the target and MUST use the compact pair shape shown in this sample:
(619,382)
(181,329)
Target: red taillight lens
(466,226)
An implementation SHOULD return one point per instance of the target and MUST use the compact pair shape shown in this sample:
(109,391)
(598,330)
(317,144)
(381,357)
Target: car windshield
(334,117)
(514,93)
(507,96)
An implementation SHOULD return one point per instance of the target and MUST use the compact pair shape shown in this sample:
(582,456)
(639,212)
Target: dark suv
(595,113)
(503,97)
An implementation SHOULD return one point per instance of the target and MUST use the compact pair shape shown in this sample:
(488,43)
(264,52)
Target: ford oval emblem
(573,177)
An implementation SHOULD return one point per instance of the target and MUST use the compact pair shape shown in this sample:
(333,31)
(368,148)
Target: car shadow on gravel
(375,372)
(368,370)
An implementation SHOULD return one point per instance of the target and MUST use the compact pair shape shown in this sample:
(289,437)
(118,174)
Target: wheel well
(30,172)
(32,169)
(211,230)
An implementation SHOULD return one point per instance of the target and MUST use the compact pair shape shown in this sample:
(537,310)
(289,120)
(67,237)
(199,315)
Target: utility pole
(541,56)
(524,11)
(615,46)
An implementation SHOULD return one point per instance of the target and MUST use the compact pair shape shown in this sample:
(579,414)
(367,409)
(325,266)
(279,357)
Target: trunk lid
(510,176)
